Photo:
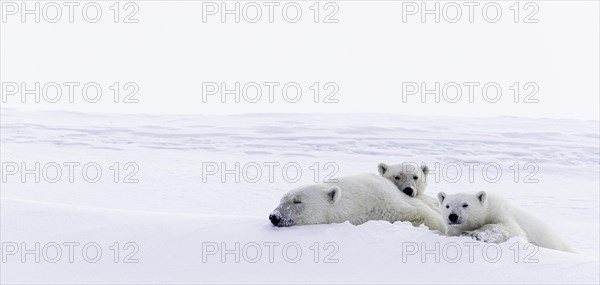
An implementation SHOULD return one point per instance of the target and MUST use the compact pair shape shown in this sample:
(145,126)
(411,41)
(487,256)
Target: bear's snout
(453,218)
(275,219)
(408,191)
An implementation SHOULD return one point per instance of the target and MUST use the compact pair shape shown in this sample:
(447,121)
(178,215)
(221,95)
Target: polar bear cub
(358,199)
(491,218)
(411,179)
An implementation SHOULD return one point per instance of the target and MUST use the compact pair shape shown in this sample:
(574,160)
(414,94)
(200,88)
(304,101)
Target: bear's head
(306,205)
(410,178)
(463,212)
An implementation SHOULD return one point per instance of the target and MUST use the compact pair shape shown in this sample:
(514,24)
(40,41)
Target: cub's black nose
(453,218)
(408,191)
(274,219)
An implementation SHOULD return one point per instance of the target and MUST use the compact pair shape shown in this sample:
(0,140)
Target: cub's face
(410,178)
(463,212)
(306,205)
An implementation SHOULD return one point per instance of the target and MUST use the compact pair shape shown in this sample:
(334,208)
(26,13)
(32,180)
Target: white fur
(491,218)
(358,199)
(403,176)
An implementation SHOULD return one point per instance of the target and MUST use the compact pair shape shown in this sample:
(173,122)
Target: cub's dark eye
(297,202)
(447,206)
(415,177)
(397,177)
(465,205)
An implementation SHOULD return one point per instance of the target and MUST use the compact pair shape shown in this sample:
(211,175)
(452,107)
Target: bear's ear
(482,196)
(425,169)
(382,168)
(441,197)
(333,194)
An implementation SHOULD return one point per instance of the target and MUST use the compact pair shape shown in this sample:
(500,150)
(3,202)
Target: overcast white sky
(368,56)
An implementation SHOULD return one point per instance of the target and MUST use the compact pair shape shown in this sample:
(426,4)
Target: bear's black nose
(274,219)
(453,218)
(408,191)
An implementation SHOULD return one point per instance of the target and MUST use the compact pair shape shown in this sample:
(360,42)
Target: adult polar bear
(491,218)
(357,199)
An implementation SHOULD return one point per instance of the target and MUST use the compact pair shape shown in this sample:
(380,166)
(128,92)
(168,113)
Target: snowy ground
(177,224)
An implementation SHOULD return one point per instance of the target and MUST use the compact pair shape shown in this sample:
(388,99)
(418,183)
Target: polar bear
(357,199)
(411,179)
(491,218)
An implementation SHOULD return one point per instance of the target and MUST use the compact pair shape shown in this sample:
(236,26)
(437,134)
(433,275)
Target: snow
(174,217)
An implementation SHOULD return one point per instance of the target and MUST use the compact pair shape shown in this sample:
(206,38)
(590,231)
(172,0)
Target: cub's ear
(481,196)
(382,168)
(441,197)
(425,169)
(333,194)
